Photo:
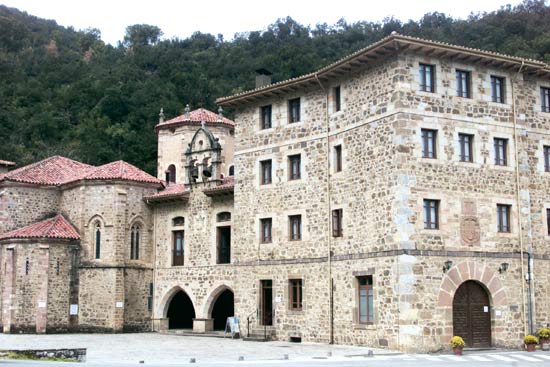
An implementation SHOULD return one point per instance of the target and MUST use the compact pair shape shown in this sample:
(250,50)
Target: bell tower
(203,158)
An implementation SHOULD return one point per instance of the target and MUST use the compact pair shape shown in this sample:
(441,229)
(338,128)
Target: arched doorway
(223,308)
(472,315)
(180,312)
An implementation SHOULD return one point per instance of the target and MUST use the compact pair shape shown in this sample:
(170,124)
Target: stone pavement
(108,349)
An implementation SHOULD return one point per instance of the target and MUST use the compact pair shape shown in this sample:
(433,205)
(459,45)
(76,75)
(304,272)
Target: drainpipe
(518,199)
(329,215)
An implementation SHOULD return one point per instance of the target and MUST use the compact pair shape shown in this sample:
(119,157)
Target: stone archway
(180,311)
(222,308)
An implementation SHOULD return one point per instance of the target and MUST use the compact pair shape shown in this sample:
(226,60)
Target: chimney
(5,166)
(263,78)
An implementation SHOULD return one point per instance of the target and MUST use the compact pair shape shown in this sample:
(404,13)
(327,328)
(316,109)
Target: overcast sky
(178,18)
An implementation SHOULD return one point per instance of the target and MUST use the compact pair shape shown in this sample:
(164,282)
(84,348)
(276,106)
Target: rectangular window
(463,79)
(337,216)
(295,224)
(294,170)
(546,152)
(497,89)
(429,139)
(431,214)
(503,218)
(366,300)
(337,101)
(465,142)
(265,228)
(294,110)
(338,158)
(427,78)
(266,117)
(548,221)
(265,172)
(178,251)
(224,245)
(295,293)
(501,156)
(545,99)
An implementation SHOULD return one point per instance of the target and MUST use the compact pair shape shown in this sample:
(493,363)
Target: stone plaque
(469,230)
(469,223)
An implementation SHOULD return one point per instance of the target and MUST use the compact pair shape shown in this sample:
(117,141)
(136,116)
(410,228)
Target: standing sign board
(232,326)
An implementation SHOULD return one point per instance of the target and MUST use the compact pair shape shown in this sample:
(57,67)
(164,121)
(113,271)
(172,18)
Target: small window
(265,174)
(295,224)
(427,78)
(294,110)
(135,234)
(27,266)
(366,300)
(178,221)
(231,171)
(57,266)
(545,99)
(223,245)
(546,152)
(501,154)
(463,80)
(265,117)
(337,158)
(224,217)
(171,174)
(266,230)
(178,250)
(295,294)
(431,214)
(497,89)
(98,240)
(294,170)
(465,142)
(429,140)
(503,218)
(548,221)
(337,223)
(337,100)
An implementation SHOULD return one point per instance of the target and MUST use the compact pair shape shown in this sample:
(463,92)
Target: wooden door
(266,301)
(472,315)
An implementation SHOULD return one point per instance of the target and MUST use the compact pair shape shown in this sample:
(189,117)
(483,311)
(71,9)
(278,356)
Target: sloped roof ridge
(56,227)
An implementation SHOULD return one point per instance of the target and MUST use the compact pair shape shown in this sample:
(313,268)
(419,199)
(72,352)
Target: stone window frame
(442,218)
(355,299)
(468,72)
(286,166)
(477,158)
(261,117)
(486,90)
(503,88)
(258,171)
(510,157)
(138,220)
(173,229)
(440,141)
(494,217)
(214,234)
(258,228)
(92,225)
(542,143)
(333,145)
(433,77)
(289,295)
(538,105)
(332,99)
(305,232)
(285,116)
(337,214)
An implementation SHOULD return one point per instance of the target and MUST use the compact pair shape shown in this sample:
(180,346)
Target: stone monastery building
(394,198)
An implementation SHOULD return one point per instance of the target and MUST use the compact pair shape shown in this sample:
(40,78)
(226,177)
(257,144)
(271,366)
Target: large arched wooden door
(471,315)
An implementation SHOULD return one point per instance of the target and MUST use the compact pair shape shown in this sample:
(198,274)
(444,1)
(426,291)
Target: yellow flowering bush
(457,342)
(544,333)
(530,339)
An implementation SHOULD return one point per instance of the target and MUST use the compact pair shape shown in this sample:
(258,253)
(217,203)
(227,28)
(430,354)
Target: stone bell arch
(203,158)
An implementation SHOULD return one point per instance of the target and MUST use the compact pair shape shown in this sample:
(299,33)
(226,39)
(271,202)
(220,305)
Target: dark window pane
(427,78)
(338,158)
(266,117)
(266,224)
(500,146)
(265,166)
(295,222)
(503,218)
(497,89)
(431,214)
(429,146)
(294,162)
(463,83)
(294,110)
(337,102)
(545,99)
(465,143)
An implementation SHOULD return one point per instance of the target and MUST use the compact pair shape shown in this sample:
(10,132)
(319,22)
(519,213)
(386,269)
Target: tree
(142,35)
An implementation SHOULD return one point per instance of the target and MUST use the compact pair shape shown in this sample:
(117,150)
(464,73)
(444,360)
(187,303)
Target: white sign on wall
(41,304)
(119,304)
(278,299)
(73,310)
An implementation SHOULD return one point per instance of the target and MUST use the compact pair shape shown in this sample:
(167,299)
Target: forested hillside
(66,92)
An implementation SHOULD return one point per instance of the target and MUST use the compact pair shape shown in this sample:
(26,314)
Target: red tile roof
(196,116)
(57,228)
(171,191)
(55,170)
(6,163)
(120,170)
(227,185)
(58,170)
